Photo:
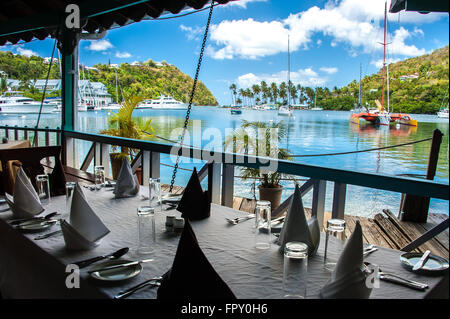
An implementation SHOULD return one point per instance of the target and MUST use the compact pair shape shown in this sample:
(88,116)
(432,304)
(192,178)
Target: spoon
(114,255)
(46,217)
(236,220)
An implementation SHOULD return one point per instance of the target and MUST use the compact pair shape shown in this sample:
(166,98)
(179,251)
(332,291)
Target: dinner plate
(434,264)
(34,225)
(117,274)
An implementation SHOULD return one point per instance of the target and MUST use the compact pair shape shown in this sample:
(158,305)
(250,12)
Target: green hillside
(416,85)
(148,80)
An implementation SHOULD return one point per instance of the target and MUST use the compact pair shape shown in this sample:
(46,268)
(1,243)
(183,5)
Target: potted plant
(122,124)
(257,138)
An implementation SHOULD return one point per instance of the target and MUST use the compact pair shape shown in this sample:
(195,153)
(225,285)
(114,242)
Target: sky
(248,42)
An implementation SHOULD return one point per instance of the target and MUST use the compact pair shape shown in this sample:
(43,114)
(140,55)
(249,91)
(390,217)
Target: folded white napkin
(85,228)
(127,184)
(297,228)
(25,202)
(348,279)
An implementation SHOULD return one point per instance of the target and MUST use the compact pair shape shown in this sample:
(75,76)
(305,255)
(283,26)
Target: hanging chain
(186,121)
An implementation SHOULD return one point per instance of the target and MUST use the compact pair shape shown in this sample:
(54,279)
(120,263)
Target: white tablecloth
(250,273)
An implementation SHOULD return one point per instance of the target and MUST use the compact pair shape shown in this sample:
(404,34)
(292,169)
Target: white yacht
(284,110)
(15,103)
(443,113)
(163,103)
(111,106)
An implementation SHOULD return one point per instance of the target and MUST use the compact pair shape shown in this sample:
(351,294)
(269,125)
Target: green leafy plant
(122,124)
(257,138)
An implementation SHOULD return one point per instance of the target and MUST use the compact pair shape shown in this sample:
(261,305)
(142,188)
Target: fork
(154,282)
(397,279)
(237,220)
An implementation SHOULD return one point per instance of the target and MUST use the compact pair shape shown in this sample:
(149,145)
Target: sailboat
(285,110)
(380,116)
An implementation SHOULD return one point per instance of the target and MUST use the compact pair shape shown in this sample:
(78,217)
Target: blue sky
(248,42)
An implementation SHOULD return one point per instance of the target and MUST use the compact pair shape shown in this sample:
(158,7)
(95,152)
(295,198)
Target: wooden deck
(384,230)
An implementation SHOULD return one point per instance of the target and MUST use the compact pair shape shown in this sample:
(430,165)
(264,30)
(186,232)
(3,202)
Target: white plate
(433,265)
(118,274)
(34,225)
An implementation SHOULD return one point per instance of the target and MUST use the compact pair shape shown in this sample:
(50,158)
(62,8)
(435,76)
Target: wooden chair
(31,160)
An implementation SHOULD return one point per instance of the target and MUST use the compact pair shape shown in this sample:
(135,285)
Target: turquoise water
(309,132)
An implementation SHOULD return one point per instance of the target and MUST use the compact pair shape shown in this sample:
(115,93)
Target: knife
(115,255)
(132,263)
(48,235)
(422,261)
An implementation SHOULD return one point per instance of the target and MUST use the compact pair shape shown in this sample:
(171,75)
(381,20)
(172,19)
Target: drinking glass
(99,172)
(70,187)
(43,189)
(262,227)
(146,229)
(295,270)
(154,192)
(336,228)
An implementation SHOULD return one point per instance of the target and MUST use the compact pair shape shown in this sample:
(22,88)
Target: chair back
(30,159)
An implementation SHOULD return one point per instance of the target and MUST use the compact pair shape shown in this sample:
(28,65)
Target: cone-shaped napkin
(127,184)
(85,228)
(25,201)
(191,275)
(195,203)
(348,279)
(297,228)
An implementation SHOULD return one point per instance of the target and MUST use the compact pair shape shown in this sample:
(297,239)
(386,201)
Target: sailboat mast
(289,75)
(359,94)
(384,56)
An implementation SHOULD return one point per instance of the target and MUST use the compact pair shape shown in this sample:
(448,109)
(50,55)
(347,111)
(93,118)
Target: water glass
(70,187)
(146,229)
(336,228)
(154,192)
(43,189)
(262,227)
(295,270)
(99,173)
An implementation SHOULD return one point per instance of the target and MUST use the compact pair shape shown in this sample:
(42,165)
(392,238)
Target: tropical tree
(274,91)
(233,92)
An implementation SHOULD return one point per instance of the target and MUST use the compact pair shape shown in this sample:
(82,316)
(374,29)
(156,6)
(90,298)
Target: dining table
(31,268)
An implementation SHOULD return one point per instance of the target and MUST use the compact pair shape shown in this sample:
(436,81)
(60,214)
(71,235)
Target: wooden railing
(220,169)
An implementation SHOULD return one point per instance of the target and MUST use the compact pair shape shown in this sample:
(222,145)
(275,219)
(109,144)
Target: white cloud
(26,52)
(330,70)
(192,33)
(123,55)
(305,77)
(242,3)
(353,23)
(379,63)
(99,45)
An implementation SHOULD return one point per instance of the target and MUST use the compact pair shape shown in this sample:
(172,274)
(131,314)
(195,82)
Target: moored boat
(284,110)
(236,110)
(163,103)
(14,102)
(443,113)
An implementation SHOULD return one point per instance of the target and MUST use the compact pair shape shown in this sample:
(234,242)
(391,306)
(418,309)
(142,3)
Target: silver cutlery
(237,220)
(368,251)
(22,220)
(396,279)
(115,255)
(153,282)
(422,261)
(48,235)
(132,263)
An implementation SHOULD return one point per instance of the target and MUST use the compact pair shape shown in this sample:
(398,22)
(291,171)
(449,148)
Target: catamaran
(380,116)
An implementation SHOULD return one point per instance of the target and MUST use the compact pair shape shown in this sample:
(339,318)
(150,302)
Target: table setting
(129,243)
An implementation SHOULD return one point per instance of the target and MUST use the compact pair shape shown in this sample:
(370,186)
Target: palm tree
(247,140)
(256,90)
(282,91)
(293,91)
(274,91)
(233,92)
(265,91)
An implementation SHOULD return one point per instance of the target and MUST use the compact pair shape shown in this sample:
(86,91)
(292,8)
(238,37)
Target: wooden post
(415,208)
(318,202)
(227,185)
(214,171)
(340,191)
